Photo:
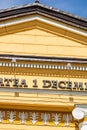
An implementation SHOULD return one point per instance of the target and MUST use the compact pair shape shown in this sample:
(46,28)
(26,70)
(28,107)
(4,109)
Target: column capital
(83,126)
(79,112)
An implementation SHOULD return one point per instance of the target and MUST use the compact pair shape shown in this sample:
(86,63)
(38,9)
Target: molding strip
(43,58)
(39,18)
(43,66)
(44,91)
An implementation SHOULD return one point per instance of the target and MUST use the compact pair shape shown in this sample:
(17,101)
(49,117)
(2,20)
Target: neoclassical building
(43,69)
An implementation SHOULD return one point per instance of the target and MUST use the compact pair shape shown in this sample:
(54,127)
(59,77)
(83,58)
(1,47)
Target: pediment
(36,39)
(42,31)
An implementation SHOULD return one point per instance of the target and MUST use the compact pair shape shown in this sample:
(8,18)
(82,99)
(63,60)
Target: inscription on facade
(46,84)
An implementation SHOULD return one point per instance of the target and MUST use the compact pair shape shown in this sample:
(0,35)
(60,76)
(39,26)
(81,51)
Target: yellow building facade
(43,69)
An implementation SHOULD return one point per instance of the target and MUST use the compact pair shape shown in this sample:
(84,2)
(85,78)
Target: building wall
(40,40)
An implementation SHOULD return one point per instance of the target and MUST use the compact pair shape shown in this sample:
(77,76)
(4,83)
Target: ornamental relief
(36,118)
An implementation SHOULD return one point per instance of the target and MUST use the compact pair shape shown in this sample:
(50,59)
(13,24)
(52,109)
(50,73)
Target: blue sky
(76,7)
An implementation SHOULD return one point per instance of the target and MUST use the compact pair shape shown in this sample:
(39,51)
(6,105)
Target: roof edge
(45,6)
(50,11)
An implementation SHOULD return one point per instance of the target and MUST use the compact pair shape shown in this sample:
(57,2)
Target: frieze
(36,118)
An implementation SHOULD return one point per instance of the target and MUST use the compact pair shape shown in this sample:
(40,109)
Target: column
(79,113)
(83,126)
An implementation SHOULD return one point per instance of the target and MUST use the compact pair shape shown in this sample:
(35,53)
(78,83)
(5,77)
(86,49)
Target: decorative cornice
(43,66)
(43,59)
(43,20)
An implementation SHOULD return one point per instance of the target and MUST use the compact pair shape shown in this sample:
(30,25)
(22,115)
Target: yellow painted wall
(24,127)
(41,42)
